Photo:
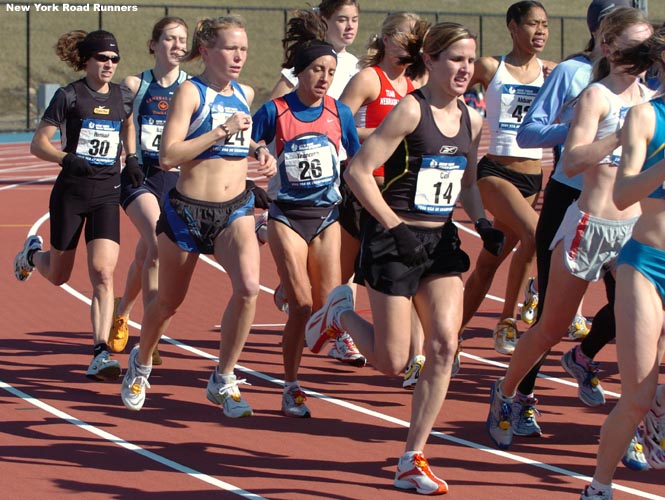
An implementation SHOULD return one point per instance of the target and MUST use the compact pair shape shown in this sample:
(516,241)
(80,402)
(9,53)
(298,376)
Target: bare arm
(41,146)
(631,184)
(470,195)
(128,132)
(483,72)
(363,88)
(375,152)
(582,150)
(282,87)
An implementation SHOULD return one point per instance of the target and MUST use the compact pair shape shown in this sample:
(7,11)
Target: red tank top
(379,108)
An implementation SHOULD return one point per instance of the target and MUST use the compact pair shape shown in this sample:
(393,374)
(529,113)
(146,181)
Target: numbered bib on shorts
(515,102)
(151,135)
(439,184)
(308,162)
(99,141)
(238,143)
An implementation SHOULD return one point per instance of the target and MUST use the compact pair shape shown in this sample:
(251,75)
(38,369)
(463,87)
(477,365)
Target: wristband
(131,155)
(256,151)
(225,129)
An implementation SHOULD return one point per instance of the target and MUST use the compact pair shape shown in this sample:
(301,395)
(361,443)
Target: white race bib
(515,102)
(99,141)
(308,162)
(151,135)
(439,184)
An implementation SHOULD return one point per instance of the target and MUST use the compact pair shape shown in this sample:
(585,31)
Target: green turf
(265,28)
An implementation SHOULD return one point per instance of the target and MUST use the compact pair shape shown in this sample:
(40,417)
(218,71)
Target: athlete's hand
(493,239)
(409,248)
(237,122)
(132,173)
(75,165)
(261,198)
(267,162)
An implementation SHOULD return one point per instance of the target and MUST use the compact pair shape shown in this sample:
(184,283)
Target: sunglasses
(103,58)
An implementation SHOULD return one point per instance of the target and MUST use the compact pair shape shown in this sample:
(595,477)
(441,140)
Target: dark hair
(327,8)
(207,31)
(517,11)
(77,47)
(159,27)
(645,55)
(303,30)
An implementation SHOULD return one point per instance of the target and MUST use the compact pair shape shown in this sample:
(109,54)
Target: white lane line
(37,181)
(372,413)
(127,445)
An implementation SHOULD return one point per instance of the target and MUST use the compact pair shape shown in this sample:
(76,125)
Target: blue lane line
(21,137)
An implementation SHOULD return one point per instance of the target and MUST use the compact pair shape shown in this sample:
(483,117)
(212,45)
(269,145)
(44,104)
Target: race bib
(99,141)
(439,184)
(235,145)
(308,162)
(151,135)
(515,102)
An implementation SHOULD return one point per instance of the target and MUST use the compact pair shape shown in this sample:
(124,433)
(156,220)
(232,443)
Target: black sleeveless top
(423,175)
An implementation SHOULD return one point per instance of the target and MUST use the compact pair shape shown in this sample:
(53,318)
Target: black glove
(493,239)
(409,248)
(75,165)
(261,198)
(132,173)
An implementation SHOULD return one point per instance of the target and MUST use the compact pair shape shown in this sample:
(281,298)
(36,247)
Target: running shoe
(591,494)
(280,300)
(524,417)
(412,372)
(228,395)
(344,349)
(22,267)
(102,367)
(456,361)
(293,403)
(499,419)
(119,334)
(505,336)
(654,435)
(634,457)
(134,384)
(413,472)
(589,389)
(530,307)
(579,328)
(261,228)
(324,324)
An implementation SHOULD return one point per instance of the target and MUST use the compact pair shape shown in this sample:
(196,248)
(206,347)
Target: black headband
(96,42)
(305,55)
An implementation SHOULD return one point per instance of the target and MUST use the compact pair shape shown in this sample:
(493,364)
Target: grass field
(265,28)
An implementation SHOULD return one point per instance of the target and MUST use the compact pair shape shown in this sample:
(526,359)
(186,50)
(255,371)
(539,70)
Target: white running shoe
(293,403)
(280,300)
(414,473)
(412,372)
(102,367)
(505,336)
(324,324)
(579,328)
(228,395)
(261,228)
(499,418)
(654,435)
(529,309)
(344,349)
(22,267)
(134,384)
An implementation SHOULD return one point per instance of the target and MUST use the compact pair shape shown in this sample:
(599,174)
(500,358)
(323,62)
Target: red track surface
(63,435)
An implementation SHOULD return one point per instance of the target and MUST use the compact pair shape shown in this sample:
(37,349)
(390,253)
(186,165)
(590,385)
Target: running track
(62,435)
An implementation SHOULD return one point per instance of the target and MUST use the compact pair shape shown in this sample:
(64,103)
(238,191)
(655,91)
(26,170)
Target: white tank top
(614,118)
(507,103)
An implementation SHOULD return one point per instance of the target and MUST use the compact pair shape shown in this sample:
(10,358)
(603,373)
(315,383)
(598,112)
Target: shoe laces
(507,328)
(529,410)
(231,390)
(506,413)
(591,377)
(298,395)
(348,343)
(139,384)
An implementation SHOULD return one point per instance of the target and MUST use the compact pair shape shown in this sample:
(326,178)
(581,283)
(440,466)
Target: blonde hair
(207,32)
(376,49)
(442,35)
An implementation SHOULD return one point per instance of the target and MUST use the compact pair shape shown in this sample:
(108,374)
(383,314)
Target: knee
(392,365)
(60,276)
(442,349)
(102,277)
